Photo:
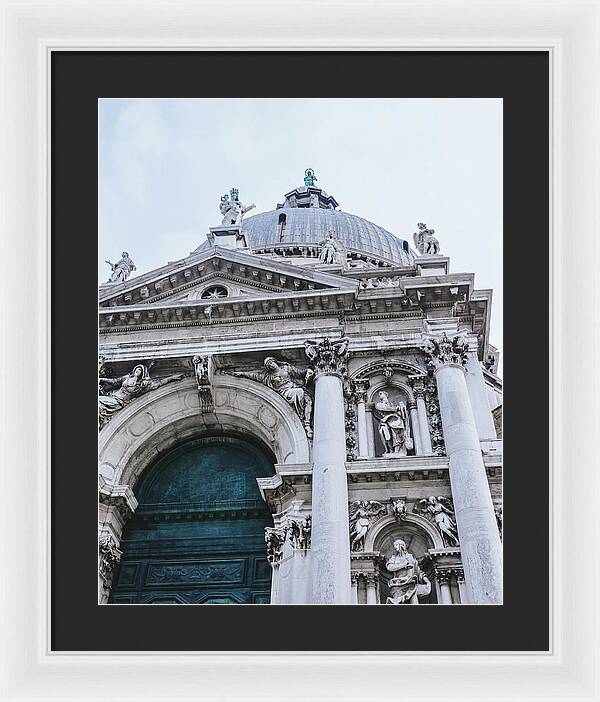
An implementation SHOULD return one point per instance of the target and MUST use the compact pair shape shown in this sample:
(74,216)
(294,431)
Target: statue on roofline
(121,270)
(309,177)
(425,242)
(232,209)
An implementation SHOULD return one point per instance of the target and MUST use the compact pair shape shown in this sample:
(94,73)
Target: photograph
(300,351)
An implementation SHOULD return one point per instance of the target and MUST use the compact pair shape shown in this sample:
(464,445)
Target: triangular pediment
(239,274)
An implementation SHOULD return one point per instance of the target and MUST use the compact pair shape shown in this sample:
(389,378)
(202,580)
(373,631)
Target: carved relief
(109,558)
(204,371)
(440,511)
(398,507)
(350,396)
(215,572)
(300,532)
(361,513)
(275,539)
(434,417)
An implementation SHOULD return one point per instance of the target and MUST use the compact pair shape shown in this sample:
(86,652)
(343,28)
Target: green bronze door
(197,535)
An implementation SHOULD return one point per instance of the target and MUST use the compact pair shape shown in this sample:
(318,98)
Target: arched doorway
(197,535)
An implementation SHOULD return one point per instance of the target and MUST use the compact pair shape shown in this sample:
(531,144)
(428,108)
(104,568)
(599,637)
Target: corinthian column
(330,557)
(361,412)
(480,545)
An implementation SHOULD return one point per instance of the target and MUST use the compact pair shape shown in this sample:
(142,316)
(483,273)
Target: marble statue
(439,509)
(203,370)
(309,177)
(127,388)
(290,382)
(275,538)
(330,250)
(361,512)
(232,209)
(409,582)
(121,270)
(393,426)
(299,532)
(399,508)
(425,243)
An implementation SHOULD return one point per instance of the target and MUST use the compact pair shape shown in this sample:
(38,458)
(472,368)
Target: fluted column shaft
(330,549)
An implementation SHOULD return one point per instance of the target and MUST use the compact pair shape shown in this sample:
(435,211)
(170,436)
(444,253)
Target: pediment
(240,274)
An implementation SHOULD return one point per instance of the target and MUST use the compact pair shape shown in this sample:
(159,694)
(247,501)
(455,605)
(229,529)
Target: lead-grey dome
(308,216)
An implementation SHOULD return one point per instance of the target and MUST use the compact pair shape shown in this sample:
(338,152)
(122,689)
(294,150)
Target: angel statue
(440,510)
(121,270)
(127,388)
(361,513)
(409,581)
(232,209)
(290,382)
(393,426)
(425,242)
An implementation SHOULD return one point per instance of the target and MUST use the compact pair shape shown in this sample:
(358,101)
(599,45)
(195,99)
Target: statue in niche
(409,582)
(290,382)
(127,388)
(361,513)
(232,209)
(439,510)
(425,242)
(393,426)
(121,270)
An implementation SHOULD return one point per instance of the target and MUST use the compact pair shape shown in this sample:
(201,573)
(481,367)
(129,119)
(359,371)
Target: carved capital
(372,579)
(275,538)
(440,351)
(443,576)
(110,557)
(355,577)
(328,356)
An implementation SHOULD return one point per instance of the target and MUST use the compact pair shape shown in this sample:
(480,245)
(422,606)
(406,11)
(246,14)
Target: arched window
(198,532)
(281,226)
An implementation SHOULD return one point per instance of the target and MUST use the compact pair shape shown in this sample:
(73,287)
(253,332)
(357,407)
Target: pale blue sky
(164,165)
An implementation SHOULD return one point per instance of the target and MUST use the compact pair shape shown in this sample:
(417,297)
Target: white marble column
(330,558)
(478,396)
(370,435)
(416,432)
(361,416)
(372,582)
(354,577)
(480,545)
(425,434)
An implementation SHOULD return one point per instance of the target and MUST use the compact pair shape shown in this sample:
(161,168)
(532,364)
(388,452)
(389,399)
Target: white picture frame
(569,30)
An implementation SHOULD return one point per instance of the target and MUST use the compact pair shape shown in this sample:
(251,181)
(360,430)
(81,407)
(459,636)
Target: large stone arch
(421,522)
(165,417)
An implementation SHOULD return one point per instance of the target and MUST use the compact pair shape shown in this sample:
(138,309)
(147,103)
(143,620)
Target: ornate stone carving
(361,513)
(275,538)
(394,428)
(425,243)
(203,370)
(110,557)
(329,357)
(398,507)
(121,270)
(291,382)
(299,532)
(388,373)
(418,387)
(439,510)
(409,582)
(127,388)
(350,394)
(232,209)
(218,572)
(434,417)
(441,350)
(498,513)
(443,575)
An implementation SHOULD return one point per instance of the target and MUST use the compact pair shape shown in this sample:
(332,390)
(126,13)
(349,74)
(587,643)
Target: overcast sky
(164,165)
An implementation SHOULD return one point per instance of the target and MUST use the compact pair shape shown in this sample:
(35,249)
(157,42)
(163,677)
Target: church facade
(304,410)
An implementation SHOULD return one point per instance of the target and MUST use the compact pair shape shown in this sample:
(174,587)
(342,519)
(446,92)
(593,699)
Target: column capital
(417,383)
(328,356)
(442,351)
(110,556)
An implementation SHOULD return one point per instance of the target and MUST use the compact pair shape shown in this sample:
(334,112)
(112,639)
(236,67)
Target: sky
(165,163)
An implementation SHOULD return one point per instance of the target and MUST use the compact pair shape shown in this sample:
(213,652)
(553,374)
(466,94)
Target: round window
(215,292)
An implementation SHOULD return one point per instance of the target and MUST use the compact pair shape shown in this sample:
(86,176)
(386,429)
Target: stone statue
(290,382)
(127,388)
(425,243)
(232,209)
(275,538)
(299,532)
(330,250)
(399,508)
(203,370)
(409,581)
(439,510)
(309,177)
(361,513)
(121,270)
(393,426)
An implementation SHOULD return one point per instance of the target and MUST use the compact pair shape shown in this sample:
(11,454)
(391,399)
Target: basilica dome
(308,216)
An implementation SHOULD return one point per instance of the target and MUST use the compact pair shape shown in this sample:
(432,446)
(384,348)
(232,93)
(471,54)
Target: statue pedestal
(400,454)
(228,236)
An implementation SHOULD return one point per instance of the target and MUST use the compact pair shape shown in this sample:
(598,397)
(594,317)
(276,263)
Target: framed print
(308,252)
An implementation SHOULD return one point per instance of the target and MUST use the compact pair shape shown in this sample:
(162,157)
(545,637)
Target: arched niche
(419,536)
(397,392)
(376,367)
(162,418)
